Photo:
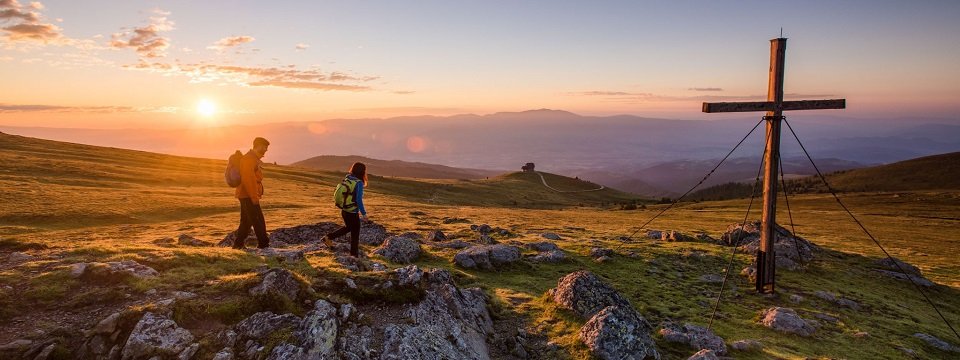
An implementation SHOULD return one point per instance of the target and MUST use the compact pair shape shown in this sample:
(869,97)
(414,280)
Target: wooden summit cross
(774,106)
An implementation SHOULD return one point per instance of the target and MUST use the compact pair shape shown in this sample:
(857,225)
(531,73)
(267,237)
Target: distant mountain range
(644,155)
(396,168)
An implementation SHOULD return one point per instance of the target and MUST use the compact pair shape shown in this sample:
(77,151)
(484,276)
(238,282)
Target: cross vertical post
(766,258)
(774,107)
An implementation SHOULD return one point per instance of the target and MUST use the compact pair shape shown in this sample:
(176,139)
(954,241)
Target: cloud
(637,98)
(286,77)
(301,46)
(25,24)
(8,108)
(229,42)
(705,89)
(404,92)
(146,40)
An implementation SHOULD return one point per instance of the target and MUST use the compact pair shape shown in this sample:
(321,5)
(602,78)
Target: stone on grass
(18,257)
(552,256)
(409,275)
(399,250)
(585,294)
(550,236)
(289,256)
(894,264)
(156,335)
(697,337)
(618,333)
(746,345)
(599,252)
(188,240)
(711,278)
(436,236)
(261,325)
(317,333)
(487,257)
(786,320)
(542,246)
(937,343)
(279,282)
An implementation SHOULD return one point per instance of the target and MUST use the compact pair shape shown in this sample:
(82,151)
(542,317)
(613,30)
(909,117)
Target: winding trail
(544,181)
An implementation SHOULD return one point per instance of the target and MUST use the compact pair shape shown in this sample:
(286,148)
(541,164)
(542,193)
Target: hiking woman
(349,198)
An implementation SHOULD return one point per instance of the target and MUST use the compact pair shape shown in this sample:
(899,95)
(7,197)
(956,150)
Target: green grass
(108,205)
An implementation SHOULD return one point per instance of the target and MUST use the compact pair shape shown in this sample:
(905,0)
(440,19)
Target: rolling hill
(397,168)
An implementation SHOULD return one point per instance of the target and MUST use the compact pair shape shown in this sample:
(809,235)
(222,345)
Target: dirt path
(544,181)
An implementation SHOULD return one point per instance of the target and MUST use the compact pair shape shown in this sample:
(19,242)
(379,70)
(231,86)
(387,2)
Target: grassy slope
(394,167)
(57,182)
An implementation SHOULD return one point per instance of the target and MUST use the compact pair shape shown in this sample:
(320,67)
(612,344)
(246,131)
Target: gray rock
(279,282)
(486,239)
(711,279)
(654,234)
(112,270)
(350,283)
(785,320)
(796,299)
(487,257)
(746,345)
(894,264)
(919,280)
(108,325)
(260,325)
(409,275)
(825,295)
(542,246)
(790,250)
(188,240)
(355,342)
(399,250)
(19,257)
(156,335)
(585,294)
(189,352)
(705,354)
(599,252)
(697,337)
(552,256)
(436,236)
(287,351)
(551,236)
(937,343)
(455,244)
(289,256)
(317,333)
(618,333)
(603,259)
(46,352)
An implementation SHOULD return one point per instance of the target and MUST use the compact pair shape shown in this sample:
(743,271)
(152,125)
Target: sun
(206,108)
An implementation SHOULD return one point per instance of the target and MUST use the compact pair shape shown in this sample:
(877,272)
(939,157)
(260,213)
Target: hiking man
(249,193)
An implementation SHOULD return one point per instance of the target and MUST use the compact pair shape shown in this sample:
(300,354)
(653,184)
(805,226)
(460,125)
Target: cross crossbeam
(774,107)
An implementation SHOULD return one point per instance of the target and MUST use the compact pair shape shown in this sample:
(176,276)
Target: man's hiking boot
(327,242)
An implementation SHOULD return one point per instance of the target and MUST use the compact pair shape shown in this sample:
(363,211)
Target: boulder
(260,326)
(618,333)
(18,257)
(483,229)
(552,256)
(550,236)
(654,234)
(785,320)
(697,337)
(919,280)
(937,343)
(670,235)
(455,244)
(187,240)
(487,240)
(399,250)
(542,246)
(289,256)
(585,294)
(487,257)
(317,333)
(600,252)
(409,275)
(790,250)
(894,264)
(156,335)
(279,282)
(112,271)
(746,345)
(436,236)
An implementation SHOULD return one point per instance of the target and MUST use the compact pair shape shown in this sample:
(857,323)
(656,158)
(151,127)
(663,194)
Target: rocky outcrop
(585,294)
(598,252)
(618,333)
(937,343)
(280,282)
(487,257)
(900,270)
(785,320)
(697,337)
(542,246)
(112,271)
(746,345)
(399,249)
(791,251)
(552,256)
(436,236)
(157,335)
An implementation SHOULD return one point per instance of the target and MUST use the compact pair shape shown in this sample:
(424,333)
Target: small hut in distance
(528,167)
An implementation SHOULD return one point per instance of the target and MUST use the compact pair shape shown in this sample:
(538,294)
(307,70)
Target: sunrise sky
(132,64)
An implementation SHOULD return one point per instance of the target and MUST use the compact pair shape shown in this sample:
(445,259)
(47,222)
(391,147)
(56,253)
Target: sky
(181,64)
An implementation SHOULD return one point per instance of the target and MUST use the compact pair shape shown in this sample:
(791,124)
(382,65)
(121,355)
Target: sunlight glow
(206,108)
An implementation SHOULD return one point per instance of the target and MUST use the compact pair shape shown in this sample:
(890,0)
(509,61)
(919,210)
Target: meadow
(67,203)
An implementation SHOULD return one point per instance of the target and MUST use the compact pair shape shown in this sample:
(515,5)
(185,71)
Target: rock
(542,246)
(552,256)
(861,334)
(790,250)
(785,320)
(350,283)
(449,323)
(654,234)
(108,325)
(409,275)
(828,296)
(112,271)
(483,229)
(585,294)
(188,240)
(750,273)
(354,343)
(551,236)
(259,326)
(16,345)
(796,299)
(46,352)
(455,220)
(399,250)
(671,235)
(317,333)
(603,259)
(711,279)
(487,240)
(937,343)
(156,335)
(455,244)
(19,257)
(287,351)
(836,299)
(704,354)
(289,256)
(279,282)
(345,311)
(599,252)
(412,236)
(697,337)
(436,236)
(189,352)
(487,257)
(225,354)
(919,280)
(894,264)
(746,345)
(618,333)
